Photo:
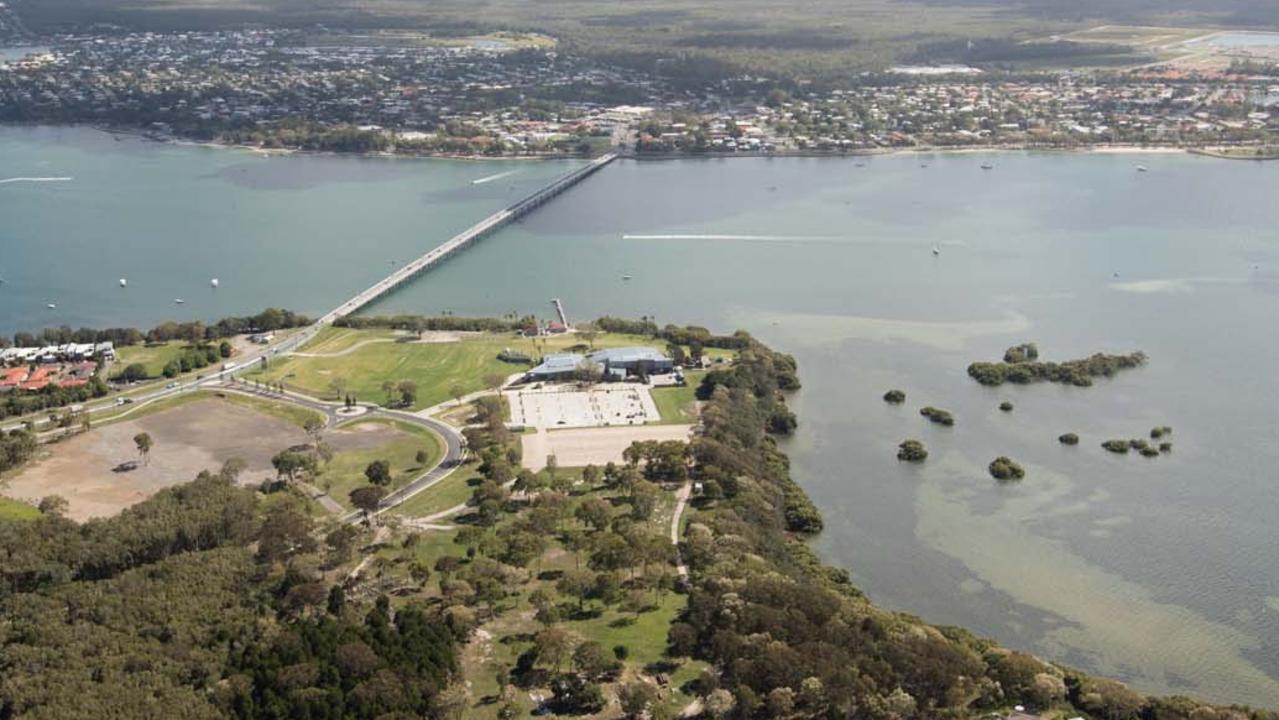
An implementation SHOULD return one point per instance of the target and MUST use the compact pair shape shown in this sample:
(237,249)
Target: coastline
(930,150)
(1099,149)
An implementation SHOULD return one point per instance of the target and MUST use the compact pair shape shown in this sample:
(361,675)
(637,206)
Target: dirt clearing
(594,446)
(190,438)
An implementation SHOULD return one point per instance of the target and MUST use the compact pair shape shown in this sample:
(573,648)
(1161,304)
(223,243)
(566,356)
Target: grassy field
(677,405)
(453,490)
(436,367)
(291,413)
(153,357)
(12,510)
(346,471)
(285,411)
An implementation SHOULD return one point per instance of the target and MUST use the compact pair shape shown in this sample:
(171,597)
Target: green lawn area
(285,411)
(676,405)
(436,367)
(288,412)
(346,471)
(455,489)
(13,510)
(154,357)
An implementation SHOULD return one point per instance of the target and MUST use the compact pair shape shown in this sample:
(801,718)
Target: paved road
(454,444)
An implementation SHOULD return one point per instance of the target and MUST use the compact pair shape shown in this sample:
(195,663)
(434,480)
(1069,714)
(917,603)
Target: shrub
(1165,447)
(937,415)
(1006,406)
(912,451)
(1068,439)
(1158,432)
(1073,372)
(1119,447)
(895,397)
(1021,353)
(1148,451)
(1004,469)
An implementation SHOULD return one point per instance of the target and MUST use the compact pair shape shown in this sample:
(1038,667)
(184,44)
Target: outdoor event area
(550,406)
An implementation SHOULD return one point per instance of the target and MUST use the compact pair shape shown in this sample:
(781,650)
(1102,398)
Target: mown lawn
(437,368)
(13,510)
(288,412)
(678,405)
(346,471)
(455,489)
(153,357)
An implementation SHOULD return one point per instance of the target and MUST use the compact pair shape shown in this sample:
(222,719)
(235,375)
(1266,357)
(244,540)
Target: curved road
(454,445)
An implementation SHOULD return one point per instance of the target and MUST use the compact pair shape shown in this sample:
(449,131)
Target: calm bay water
(80,209)
(1162,571)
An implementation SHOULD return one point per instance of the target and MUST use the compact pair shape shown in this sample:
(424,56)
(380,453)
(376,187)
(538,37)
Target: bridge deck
(475,232)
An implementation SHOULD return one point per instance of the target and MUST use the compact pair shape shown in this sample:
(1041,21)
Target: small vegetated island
(912,451)
(269,608)
(1021,366)
(1142,446)
(1005,469)
(937,415)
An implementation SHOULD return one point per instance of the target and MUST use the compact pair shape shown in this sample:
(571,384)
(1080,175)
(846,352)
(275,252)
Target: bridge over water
(477,231)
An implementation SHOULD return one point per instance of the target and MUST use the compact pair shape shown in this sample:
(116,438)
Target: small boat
(627,277)
(1142,168)
(52,306)
(178,301)
(1116,274)
(923,165)
(124,282)
(214,283)
(860,165)
(987,166)
(936,250)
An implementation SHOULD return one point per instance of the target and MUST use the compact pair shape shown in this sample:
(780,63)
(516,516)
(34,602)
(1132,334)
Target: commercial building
(613,364)
(624,361)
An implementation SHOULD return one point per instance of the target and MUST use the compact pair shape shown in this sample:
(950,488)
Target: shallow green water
(1160,571)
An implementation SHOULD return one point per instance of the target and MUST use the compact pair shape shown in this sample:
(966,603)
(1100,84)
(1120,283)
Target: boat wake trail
(491,178)
(6,181)
(741,238)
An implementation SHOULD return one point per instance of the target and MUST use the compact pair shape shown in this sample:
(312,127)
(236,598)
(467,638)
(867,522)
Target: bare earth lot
(592,446)
(192,437)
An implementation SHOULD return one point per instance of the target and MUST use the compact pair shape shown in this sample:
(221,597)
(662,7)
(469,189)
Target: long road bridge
(477,231)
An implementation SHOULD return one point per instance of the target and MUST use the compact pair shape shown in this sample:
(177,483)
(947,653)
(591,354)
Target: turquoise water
(297,232)
(1162,572)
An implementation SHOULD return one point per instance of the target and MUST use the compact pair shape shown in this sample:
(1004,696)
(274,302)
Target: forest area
(213,601)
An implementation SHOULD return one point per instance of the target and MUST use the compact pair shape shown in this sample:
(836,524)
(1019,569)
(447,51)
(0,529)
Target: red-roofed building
(38,380)
(73,382)
(13,377)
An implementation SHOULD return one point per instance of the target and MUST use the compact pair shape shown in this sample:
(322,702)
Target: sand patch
(196,436)
(592,446)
